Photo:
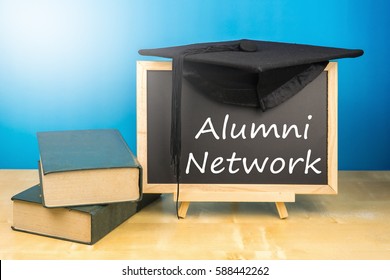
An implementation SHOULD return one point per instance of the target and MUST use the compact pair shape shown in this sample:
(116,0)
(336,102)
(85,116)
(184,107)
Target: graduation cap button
(248,46)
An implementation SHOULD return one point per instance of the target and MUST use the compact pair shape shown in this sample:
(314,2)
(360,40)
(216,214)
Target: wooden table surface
(354,224)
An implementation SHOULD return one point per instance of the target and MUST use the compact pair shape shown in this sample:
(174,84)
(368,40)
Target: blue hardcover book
(85,167)
(83,224)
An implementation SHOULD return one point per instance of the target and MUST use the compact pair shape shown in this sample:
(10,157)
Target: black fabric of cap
(266,56)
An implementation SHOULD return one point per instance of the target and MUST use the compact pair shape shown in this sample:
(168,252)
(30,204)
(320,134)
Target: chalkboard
(290,149)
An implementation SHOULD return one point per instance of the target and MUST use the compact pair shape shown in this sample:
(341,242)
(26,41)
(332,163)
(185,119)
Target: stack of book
(90,182)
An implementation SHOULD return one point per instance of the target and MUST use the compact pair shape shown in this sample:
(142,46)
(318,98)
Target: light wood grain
(332,124)
(351,225)
(282,209)
(183,208)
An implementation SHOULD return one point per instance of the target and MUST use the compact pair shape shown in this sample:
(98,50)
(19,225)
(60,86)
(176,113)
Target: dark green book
(83,224)
(84,167)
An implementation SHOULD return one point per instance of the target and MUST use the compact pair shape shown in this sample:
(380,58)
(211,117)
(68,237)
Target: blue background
(72,64)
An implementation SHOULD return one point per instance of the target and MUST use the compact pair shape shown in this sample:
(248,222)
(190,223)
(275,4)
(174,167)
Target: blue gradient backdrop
(71,64)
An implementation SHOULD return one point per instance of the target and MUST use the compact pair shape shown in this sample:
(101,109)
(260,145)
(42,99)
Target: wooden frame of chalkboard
(153,78)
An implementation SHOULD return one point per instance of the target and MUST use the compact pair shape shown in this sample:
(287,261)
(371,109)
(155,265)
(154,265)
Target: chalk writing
(254,130)
(235,162)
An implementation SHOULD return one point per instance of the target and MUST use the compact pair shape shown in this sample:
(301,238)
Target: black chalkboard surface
(290,148)
(232,144)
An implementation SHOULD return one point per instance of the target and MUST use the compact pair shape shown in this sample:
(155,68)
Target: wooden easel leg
(183,209)
(282,210)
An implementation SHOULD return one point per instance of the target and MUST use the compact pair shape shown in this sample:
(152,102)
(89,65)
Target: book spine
(109,218)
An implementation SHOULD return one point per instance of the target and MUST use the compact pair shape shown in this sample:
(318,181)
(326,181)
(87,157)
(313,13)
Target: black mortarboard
(244,72)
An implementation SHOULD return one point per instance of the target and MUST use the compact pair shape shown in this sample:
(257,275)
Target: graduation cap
(244,73)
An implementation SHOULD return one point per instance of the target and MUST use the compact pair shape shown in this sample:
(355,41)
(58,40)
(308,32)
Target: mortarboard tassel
(177,74)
